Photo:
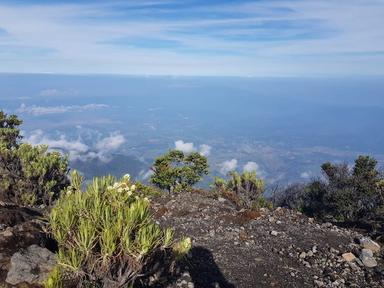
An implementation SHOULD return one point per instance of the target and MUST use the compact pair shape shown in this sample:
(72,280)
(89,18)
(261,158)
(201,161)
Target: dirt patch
(280,248)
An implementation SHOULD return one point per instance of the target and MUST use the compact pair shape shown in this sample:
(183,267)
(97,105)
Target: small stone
(271,219)
(7,232)
(314,249)
(278,222)
(366,253)
(367,259)
(333,250)
(221,199)
(274,233)
(310,253)
(293,274)
(319,283)
(349,257)
(368,243)
(191,285)
(369,262)
(303,255)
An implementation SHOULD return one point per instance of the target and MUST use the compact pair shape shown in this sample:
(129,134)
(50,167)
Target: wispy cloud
(51,92)
(76,148)
(44,110)
(193,38)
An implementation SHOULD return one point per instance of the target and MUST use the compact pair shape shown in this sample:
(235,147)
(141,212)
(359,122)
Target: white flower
(133,187)
(127,176)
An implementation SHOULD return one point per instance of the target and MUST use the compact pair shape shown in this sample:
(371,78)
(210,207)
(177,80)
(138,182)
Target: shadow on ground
(204,270)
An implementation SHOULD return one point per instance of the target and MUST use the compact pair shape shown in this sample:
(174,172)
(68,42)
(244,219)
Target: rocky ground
(231,248)
(280,248)
(24,262)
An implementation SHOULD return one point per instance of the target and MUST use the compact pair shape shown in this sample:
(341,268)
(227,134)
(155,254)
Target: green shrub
(29,175)
(346,194)
(106,234)
(247,189)
(147,191)
(262,202)
(176,171)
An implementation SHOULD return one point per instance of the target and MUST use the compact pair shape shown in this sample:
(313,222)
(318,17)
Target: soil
(233,248)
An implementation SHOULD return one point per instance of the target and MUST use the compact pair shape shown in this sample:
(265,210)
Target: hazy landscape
(285,128)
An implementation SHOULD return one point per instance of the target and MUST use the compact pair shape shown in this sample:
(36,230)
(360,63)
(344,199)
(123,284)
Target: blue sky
(219,38)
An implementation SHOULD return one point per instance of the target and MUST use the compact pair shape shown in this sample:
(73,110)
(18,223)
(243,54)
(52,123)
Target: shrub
(345,194)
(147,190)
(106,235)
(176,171)
(29,175)
(247,189)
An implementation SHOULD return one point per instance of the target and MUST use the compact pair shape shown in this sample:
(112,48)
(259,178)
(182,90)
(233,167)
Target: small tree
(176,171)
(28,174)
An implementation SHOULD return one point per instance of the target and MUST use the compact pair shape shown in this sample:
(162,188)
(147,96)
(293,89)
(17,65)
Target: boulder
(32,266)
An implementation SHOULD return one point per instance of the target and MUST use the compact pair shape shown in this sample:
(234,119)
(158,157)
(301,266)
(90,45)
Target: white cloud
(77,149)
(228,166)
(189,147)
(305,175)
(205,150)
(251,167)
(44,110)
(184,146)
(111,143)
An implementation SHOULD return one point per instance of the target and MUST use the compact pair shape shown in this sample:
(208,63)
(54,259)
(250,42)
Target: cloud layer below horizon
(242,38)
(77,149)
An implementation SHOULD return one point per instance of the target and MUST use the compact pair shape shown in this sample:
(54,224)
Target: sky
(193,37)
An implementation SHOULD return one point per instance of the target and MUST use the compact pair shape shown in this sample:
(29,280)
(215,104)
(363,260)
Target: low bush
(345,194)
(244,190)
(29,175)
(106,236)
